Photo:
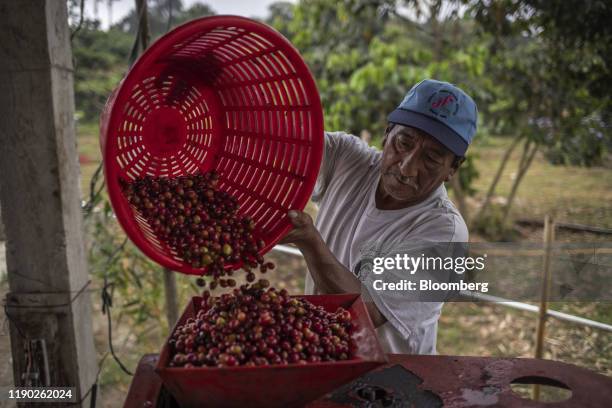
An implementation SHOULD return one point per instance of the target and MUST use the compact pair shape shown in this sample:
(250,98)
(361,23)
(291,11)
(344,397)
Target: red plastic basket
(224,93)
(292,385)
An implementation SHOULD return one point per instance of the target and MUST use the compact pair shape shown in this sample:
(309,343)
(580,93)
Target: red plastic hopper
(274,386)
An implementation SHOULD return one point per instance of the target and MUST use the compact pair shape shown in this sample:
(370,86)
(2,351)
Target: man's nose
(408,164)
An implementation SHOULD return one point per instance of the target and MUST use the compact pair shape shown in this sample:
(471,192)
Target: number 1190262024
(37,394)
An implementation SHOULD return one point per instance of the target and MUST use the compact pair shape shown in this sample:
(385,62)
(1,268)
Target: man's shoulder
(339,134)
(340,137)
(350,147)
(346,160)
(442,222)
(353,160)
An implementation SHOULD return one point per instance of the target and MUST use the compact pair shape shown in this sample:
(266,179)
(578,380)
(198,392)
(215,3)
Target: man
(369,199)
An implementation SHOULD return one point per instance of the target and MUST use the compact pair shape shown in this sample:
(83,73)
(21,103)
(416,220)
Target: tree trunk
(459,196)
(434,12)
(366,136)
(143,24)
(524,165)
(500,170)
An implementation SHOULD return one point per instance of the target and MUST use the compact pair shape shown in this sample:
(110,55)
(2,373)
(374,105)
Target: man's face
(413,165)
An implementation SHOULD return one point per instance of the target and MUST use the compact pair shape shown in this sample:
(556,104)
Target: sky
(246,8)
(120,8)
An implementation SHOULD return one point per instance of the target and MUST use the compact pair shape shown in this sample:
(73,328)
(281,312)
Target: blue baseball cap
(442,110)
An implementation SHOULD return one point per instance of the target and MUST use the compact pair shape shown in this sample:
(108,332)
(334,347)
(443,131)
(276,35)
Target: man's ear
(457,162)
(387,131)
(450,174)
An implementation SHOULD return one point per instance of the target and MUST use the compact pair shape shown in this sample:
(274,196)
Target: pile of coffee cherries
(199,222)
(256,325)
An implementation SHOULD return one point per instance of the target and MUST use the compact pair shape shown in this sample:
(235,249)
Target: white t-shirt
(350,224)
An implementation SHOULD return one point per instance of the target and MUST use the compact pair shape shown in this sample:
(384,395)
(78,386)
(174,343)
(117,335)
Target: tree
(280,15)
(100,61)
(101,58)
(164,15)
(551,65)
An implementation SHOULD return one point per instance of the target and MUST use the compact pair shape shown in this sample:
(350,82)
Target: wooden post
(366,136)
(2,249)
(48,303)
(171,297)
(2,236)
(549,237)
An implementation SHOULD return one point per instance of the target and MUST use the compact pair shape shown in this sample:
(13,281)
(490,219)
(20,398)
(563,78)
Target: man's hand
(304,233)
(329,275)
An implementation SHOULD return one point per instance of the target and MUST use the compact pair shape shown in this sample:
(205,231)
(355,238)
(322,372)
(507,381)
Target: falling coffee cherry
(197,221)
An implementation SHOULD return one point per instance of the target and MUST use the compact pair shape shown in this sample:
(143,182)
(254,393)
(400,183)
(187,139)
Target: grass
(90,154)
(574,194)
(494,330)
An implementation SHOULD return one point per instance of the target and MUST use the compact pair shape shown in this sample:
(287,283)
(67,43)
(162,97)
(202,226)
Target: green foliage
(100,61)
(551,65)
(337,40)
(135,281)
(101,58)
(534,67)
(537,68)
(126,269)
(280,16)
(587,145)
(163,15)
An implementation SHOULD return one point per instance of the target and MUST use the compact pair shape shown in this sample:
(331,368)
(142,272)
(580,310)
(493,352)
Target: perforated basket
(224,93)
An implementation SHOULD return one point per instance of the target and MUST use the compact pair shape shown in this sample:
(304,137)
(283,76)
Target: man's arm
(329,275)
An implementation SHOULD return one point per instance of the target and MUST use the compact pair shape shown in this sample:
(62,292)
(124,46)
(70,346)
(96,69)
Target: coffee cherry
(197,221)
(246,327)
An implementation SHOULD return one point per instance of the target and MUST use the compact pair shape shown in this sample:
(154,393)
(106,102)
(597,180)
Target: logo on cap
(443,104)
